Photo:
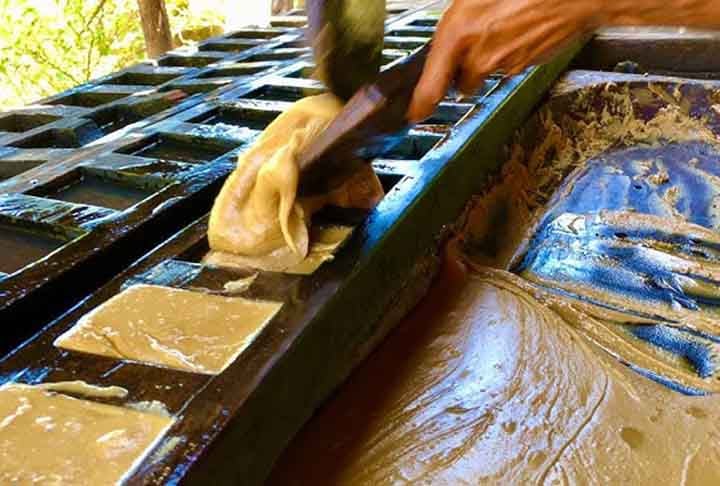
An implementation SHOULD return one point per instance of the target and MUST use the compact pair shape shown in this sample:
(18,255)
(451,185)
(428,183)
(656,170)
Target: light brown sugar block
(50,438)
(181,329)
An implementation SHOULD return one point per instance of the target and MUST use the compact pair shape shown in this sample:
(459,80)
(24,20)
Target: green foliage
(47,46)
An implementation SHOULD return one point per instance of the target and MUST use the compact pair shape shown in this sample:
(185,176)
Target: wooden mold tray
(137,96)
(233,425)
(106,109)
(111,201)
(149,92)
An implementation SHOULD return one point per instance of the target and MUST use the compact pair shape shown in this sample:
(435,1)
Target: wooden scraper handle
(377,109)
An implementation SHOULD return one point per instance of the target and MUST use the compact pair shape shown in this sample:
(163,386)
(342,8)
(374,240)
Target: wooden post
(156,27)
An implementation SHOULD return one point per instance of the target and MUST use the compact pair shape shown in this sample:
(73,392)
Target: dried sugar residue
(659,178)
(240,285)
(532,176)
(150,406)
(79,387)
(325,241)
(570,141)
(167,447)
(670,198)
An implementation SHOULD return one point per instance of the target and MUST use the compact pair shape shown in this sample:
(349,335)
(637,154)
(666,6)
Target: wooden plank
(655,50)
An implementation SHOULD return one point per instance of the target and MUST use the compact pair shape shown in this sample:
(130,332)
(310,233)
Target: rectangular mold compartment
(282,93)
(173,147)
(143,78)
(95,188)
(190,60)
(491,82)
(389,55)
(426,32)
(20,246)
(204,85)
(11,168)
(280,54)
(426,22)
(53,138)
(238,69)
(120,115)
(392,55)
(300,43)
(292,21)
(448,113)
(114,118)
(307,71)
(388,180)
(256,33)
(405,43)
(240,116)
(193,254)
(88,99)
(22,122)
(413,146)
(230,45)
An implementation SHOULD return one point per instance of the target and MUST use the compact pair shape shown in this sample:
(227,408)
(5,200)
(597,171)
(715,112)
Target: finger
(477,67)
(439,71)
(470,82)
(473,74)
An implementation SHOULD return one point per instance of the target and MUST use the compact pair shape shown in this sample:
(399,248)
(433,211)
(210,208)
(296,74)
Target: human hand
(476,38)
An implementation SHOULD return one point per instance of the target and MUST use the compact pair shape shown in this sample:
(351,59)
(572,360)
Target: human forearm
(478,37)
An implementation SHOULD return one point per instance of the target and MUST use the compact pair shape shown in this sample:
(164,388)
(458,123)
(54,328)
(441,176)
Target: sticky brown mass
(258,220)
